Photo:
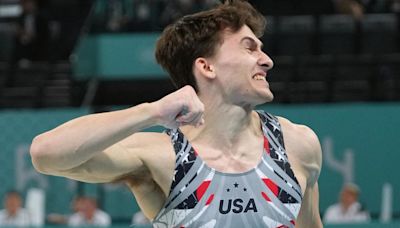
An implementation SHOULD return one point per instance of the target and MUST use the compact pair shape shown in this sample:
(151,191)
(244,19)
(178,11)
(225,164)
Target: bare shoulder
(302,142)
(302,135)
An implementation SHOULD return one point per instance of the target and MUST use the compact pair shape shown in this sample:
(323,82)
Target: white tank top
(266,196)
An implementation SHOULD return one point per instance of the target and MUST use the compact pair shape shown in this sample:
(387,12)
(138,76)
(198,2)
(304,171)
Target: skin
(89,208)
(12,204)
(348,196)
(219,122)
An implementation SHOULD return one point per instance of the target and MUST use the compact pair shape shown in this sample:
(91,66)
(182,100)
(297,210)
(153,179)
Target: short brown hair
(198,35)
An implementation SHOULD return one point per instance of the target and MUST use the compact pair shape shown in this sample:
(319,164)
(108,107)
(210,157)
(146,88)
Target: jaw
(254,95)
(266,96)
(262,89)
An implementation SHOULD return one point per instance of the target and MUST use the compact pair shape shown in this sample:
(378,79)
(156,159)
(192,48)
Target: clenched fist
(182,107)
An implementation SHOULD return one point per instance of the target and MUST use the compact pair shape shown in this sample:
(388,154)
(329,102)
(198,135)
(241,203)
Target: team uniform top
(268,195)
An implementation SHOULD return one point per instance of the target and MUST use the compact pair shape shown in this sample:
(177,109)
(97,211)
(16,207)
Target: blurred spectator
(145,15)
(13,214)
(395,8)
(352,7)
(88,214)
(62,219)
(140,219)
(112,15)
(32,33)
(348,209)
(357,8)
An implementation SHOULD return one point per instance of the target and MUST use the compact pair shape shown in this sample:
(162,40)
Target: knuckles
(187,98)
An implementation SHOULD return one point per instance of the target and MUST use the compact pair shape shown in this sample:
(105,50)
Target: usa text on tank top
(268,195)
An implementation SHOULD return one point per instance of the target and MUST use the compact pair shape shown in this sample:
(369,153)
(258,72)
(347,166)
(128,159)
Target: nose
(265,61)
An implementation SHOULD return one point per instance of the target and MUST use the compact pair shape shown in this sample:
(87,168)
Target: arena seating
(319,57)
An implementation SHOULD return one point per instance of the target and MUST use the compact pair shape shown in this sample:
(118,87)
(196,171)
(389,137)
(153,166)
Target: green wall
(18,128)
(117,56)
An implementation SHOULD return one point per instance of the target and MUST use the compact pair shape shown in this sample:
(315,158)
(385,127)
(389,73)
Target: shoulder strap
(278,158)
(185,155)
(272,123)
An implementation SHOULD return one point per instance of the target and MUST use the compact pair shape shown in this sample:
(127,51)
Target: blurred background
(337,70)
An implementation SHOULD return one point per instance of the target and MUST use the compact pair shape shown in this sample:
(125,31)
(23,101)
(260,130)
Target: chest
(238,160)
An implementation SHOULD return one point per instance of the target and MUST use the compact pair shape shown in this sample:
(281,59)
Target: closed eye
(249,44)
(249,49)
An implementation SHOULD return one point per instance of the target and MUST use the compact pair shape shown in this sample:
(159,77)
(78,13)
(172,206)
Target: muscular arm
(306,157)
(309,215)
(103,147)
(75,142)
(86,148)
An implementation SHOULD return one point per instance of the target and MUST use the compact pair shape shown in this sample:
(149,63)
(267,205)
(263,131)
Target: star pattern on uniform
(173,178)
(280,156)
(175,135)
(274,125)
(180,154)
(236,185)
(186,158)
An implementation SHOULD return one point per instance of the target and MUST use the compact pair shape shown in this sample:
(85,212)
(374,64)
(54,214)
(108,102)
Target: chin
(264,99)
(268,100)
(267,97)
(264,94)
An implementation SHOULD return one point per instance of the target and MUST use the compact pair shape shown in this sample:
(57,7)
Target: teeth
(259,77)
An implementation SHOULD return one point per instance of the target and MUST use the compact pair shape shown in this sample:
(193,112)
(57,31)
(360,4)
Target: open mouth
(259,77)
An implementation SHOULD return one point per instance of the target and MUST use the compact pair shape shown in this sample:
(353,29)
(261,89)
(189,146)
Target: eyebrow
(252,41)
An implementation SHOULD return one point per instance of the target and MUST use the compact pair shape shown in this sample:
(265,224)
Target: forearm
(78,140)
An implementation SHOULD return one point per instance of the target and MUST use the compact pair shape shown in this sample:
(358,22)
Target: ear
(205,68)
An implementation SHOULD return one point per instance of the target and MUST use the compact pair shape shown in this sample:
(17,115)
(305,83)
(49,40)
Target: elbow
(40,152)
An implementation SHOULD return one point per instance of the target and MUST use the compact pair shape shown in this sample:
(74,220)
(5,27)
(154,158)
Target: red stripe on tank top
(202,189)
(272,186)
(266,145)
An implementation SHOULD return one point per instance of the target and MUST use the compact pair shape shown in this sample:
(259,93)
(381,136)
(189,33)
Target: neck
(346,206)
(225,125)
(89,215)
(12,212)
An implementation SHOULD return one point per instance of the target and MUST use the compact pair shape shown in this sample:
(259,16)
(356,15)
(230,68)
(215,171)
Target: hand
(182,107)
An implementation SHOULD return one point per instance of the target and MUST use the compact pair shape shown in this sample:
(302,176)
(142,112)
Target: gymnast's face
(241,68)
